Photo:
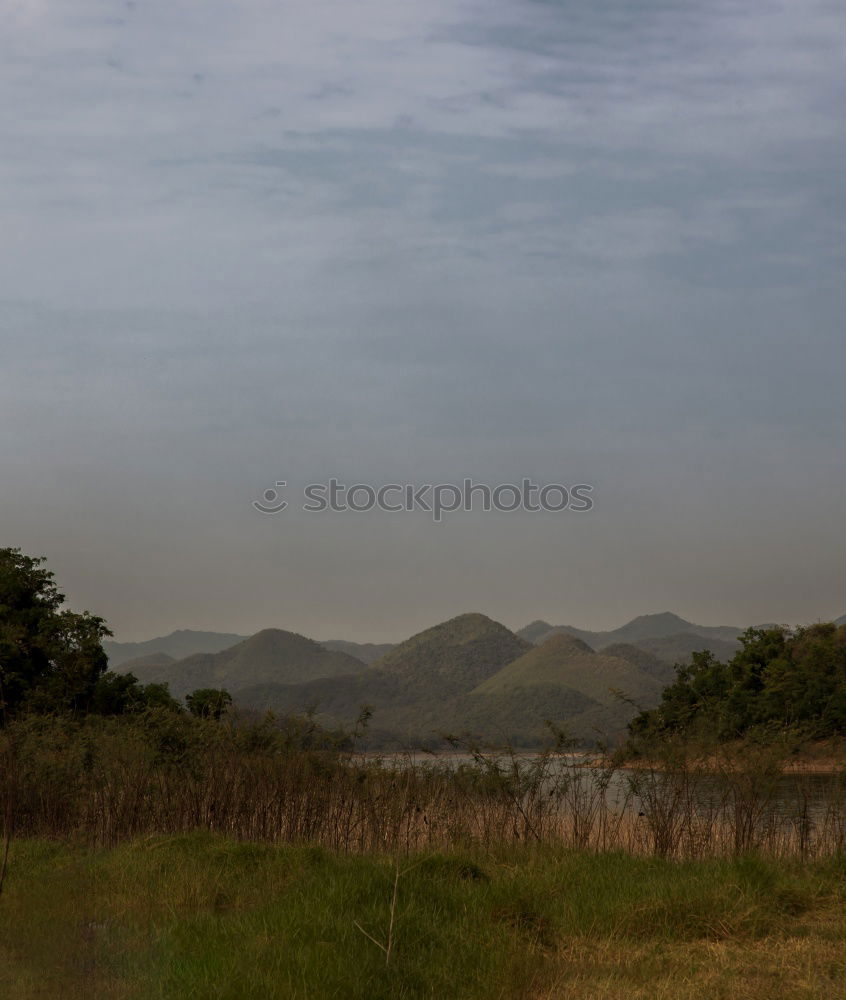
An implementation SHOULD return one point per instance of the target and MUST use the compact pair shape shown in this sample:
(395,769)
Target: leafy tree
(50,659)
(121,694)
(779,678)
(208,703)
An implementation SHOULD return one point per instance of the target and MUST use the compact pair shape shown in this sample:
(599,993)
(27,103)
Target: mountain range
(183,642)
(468,675)
(643,627)
(269,656)
(187,642)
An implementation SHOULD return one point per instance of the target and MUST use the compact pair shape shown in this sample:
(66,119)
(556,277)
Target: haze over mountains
(643,627)
(183,642)
(415,690)
(187,642)
(467,675)
(367,652)
(269,656)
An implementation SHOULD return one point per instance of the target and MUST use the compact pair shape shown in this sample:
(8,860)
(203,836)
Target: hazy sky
(412,241)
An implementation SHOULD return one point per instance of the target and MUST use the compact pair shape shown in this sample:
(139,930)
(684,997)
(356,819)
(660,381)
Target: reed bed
(109,781)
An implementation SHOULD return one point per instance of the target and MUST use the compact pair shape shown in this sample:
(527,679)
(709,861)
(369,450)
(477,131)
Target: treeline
(780,678)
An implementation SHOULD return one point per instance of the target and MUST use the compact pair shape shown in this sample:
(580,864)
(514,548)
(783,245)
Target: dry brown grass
(788,968)
(109,781)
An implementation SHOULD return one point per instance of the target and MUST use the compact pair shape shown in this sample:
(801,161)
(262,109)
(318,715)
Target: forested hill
(780,678)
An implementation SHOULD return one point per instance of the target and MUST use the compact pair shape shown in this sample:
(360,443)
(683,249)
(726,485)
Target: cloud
(439,235)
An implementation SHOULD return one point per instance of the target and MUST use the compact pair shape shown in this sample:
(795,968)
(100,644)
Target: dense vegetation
(51,658)
(204,916)
(779,678)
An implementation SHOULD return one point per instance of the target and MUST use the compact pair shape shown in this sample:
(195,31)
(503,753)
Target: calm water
(791,795)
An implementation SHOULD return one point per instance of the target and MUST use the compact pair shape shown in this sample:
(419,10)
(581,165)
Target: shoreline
(808,762)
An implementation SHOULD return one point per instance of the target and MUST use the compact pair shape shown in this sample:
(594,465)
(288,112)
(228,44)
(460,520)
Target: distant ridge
(567,660)
(415,688)
(181,643)
(142,663)
(271,656)
(644,659)
(539,630)
(367,652)
(471,675)
(672,649)
(644,627)
(468,675)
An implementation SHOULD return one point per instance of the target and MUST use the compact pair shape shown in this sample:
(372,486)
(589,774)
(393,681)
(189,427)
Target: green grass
(198,916)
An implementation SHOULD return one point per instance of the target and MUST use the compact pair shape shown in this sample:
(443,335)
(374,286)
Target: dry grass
(790,968)
(108,781)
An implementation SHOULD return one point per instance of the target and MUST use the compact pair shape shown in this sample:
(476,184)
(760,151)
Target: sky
(579,242)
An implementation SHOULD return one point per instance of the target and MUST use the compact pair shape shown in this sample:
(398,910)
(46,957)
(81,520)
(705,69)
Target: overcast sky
(412,241)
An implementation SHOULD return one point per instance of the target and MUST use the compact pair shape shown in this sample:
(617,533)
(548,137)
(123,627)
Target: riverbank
(201,916)
(813,757)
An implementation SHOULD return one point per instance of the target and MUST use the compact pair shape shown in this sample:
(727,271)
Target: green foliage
(50,659)
(780,678)
(209,703)
(121,694)
(196,915)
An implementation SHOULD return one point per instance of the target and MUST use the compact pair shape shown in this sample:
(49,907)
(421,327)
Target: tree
(122,694)
(208,703)
(780,678)
(50,659)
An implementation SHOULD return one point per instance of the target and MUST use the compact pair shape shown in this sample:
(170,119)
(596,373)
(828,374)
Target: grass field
(200,916)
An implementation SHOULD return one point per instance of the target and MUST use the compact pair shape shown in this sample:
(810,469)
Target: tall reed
(105,781)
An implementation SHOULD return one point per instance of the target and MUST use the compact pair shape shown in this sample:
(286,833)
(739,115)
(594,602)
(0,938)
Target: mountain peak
(455,655)
(468,627)
(565,642)
(660,618)
(273,636)
(178,644)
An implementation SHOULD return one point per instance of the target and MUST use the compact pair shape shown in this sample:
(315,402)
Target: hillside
(644,659)
(538,630)
(566,661)
(564,669)
(413,688)
(367,652)
(143,663)
(269,657)
(512,716)
(644,627)
(452,657)
(179,644)
(472,676)
(674,649)
(466,675)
